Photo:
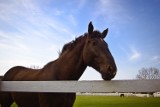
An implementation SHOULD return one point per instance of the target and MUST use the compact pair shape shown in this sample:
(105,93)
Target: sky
(32,32)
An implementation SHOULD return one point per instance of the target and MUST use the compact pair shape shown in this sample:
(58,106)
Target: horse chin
(107,76)
(108,72)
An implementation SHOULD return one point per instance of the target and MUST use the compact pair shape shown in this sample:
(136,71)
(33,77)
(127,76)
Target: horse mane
(70,45)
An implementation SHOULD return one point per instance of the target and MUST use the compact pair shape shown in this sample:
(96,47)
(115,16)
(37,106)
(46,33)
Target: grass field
(108,101)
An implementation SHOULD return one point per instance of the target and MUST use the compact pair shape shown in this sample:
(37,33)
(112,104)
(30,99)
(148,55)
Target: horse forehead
(101,40)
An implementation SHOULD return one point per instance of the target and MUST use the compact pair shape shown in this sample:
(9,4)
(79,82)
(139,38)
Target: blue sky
(32,32)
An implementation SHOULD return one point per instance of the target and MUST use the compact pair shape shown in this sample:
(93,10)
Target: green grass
(110,101)
(14,105)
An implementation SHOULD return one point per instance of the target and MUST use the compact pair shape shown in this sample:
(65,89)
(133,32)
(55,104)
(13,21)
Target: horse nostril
(111,71)
(110,68)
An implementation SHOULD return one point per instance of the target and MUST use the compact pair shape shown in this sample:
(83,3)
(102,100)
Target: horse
(90,49)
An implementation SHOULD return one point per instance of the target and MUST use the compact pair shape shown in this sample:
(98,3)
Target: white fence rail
(138,86)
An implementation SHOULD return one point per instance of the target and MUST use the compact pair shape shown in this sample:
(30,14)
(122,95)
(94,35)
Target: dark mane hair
(70,45)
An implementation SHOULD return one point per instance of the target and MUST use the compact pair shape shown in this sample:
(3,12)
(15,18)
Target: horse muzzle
(108,72)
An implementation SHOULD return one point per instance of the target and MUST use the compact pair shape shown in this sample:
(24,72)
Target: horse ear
(90,28)
(104,33)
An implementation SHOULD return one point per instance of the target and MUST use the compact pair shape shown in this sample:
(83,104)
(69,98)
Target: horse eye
(89,42)
(94,43)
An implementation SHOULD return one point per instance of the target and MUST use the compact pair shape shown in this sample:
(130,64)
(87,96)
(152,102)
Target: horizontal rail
(147,86)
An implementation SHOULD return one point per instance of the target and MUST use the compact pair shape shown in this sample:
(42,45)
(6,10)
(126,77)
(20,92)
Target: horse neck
(71,64)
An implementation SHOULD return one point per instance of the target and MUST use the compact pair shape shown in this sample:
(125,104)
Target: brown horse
(89,49)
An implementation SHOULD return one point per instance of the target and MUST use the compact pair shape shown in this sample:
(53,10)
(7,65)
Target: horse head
(97,54)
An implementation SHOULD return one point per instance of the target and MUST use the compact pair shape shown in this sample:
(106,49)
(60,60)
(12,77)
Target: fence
(1,77)
(123,86)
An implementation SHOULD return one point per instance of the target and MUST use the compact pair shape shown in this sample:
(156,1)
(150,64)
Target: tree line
(148,73)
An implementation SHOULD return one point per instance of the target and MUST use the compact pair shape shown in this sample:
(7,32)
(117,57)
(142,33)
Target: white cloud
(131,52)
(156,59)
(72,19)
(57,12)
(36,38)
(134,55)
(112,12)
(91,74)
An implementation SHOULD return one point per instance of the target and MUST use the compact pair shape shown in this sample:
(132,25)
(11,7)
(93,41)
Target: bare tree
(148,73)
